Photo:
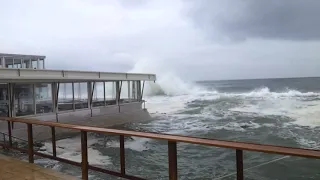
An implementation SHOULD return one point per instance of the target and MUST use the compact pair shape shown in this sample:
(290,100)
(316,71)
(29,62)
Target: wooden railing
(239,147)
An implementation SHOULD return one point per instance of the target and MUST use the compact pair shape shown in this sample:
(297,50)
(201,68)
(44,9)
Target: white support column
(56,99)
(129,97)
(29,64)
(73,104)
(104,93)
(89,89)
(12,62)
(54,96)
(40,92)
(134,91)
(38,63)
(138,90)
(113,90)
(34,99)
(79,91)
(64,91)
(43,66)
(95,91)
(47,88)
(21,62)
(142,90)
(3,62)
(118,92)
(11,100)
(4,93)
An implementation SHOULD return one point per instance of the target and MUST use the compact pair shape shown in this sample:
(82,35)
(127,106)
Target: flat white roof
(21,56)
(45,75)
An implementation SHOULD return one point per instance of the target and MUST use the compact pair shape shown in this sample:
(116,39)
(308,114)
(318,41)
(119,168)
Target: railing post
(84,155)
(30,143)
(239,154)
(54,149)
(122,156)
(10,133)
(172,155)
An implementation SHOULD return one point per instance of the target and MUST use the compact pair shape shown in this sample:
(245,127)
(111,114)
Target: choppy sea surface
(270,111)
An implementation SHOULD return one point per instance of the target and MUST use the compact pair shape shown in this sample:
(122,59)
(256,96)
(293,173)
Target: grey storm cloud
(168,37)
(269,19)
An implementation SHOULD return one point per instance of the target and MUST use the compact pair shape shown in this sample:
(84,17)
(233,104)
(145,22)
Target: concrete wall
(101,117)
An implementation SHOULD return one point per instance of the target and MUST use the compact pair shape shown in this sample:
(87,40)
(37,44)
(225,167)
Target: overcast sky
(194,39)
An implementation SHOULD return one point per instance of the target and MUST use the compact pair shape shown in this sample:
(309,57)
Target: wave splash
(168,83)
(265,92)
(170,94)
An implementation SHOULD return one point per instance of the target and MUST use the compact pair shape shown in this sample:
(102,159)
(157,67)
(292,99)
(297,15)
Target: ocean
(269,111)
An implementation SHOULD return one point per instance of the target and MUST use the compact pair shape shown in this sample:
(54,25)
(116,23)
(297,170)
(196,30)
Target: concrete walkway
(14,169)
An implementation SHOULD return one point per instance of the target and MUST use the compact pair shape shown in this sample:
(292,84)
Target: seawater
(269,111)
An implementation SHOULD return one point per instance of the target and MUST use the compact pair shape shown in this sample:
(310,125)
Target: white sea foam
(136,144)
(291,103)
(71,149)
(176,93)
(305,113)
(308,143)
(242,126)
(168,83)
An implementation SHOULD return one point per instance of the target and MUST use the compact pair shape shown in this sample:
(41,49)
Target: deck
(14,169)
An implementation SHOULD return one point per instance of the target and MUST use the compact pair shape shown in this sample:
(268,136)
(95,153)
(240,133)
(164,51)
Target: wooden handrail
(309,153)
(172,147)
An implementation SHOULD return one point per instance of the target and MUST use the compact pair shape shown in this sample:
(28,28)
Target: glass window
(110,92)
(65,100)
(98,99)
(80,95)
(24,101)
(4,100)
(43,98)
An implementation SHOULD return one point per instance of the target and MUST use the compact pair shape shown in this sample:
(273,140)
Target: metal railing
(6,139)
(172,140)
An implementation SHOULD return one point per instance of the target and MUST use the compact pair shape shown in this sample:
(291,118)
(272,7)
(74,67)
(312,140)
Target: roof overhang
(44,75)
(20,56)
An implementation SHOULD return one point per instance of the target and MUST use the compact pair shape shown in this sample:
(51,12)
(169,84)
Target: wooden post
(84,155)
(30,143)
(239,155)
(122,156)
(54,149)
(172,155)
